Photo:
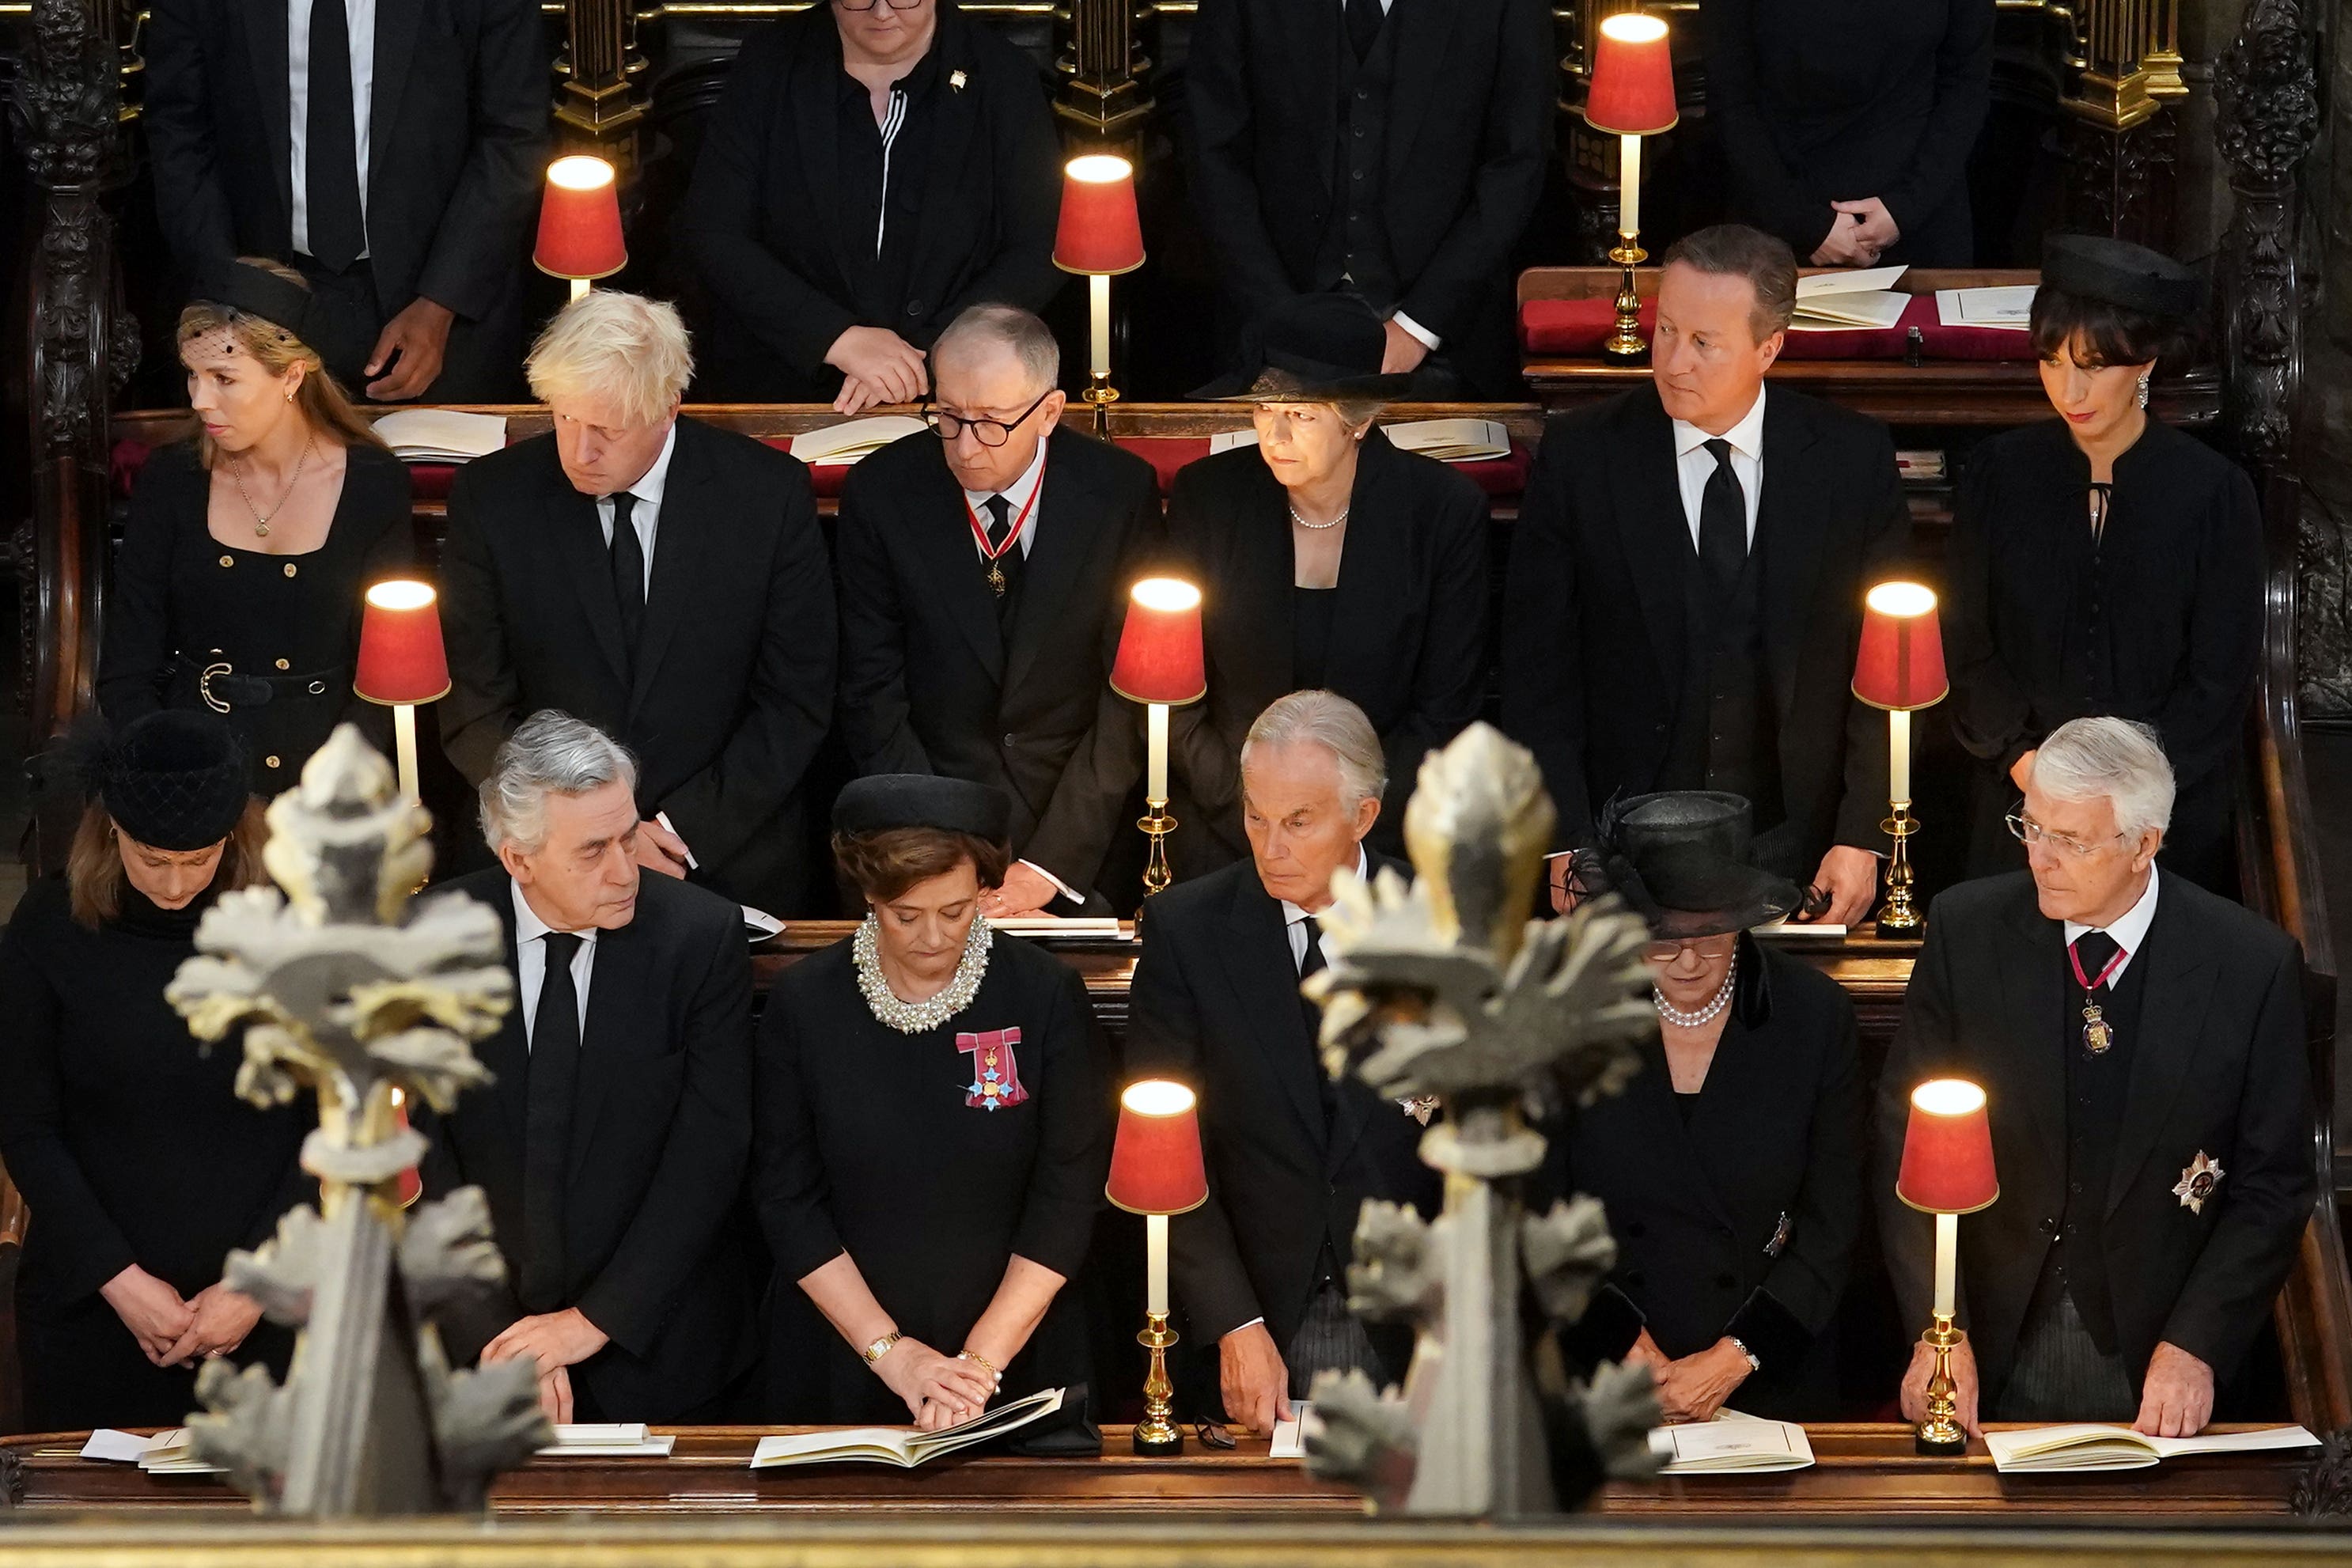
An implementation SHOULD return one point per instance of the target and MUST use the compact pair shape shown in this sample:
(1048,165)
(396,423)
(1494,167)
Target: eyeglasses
(987,432)
(1708,947)
(2025,830)
(869,4)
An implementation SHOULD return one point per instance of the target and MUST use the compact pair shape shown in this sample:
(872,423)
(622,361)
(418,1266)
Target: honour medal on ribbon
(995,1076)
(2098,1034)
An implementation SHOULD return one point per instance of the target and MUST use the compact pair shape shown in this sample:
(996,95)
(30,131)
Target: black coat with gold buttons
(192,622)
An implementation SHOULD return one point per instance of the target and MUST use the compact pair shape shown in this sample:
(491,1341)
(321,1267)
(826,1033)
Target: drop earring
(2143,392)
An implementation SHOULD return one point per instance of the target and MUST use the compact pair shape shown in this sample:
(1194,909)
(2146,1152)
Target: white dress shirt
(1695,464)
(530,964)
(2129,931)
(1298,922)
(298,103)
(645,512)
(1017,495)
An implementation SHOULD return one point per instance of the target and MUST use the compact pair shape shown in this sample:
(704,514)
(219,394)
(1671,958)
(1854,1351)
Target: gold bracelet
(983,1362)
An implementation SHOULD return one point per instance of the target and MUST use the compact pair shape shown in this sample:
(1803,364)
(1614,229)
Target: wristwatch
(1753,1364)
(881,1347)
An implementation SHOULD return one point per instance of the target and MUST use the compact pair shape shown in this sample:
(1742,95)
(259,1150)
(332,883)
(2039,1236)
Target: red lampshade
(1632,92)
(400,646)
(1155,1161)
(1947,1150)
(1099,231)
(1159,648)
(580,221)
(1900,664)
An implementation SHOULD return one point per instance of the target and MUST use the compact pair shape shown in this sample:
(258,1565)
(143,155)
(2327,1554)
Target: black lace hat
(1682,860)
(173,780)
(1311,348)
(290,307)
(924,800)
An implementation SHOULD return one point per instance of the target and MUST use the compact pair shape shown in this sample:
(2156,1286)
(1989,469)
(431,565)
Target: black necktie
(1311,963)
(627,553)
(1723,524)
(546,1124)
(1000,529)
(330,161)
(1363,26)
(2094,951)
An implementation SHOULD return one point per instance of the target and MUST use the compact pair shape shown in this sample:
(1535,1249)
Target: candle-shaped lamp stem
(404,738)
(1629,188)
(1155,788)
(1099,325)
(1947,1263)
(1155,1255)
(1898,757)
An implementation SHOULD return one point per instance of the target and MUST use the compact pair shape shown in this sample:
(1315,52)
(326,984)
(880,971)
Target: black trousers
(482,363)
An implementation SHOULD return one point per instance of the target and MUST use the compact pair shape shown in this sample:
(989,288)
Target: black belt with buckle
(222,689)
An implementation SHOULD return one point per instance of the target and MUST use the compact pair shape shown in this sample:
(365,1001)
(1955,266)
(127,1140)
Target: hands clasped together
(940,1391)
(173,1333)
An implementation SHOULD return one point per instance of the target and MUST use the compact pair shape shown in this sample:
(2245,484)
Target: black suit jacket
(457,140)
(734,678)
(1468,135)
(661,1136)
(1216,1004)
(762,223)
(1408,631)
(1594,630)
(1741,1221)
(928,683)
(2218,1068)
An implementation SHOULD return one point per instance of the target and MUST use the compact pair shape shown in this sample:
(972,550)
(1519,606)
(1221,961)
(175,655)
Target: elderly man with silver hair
(614,1141)
(1261,1267)
(2141,1043)
(663,579)
(984,571)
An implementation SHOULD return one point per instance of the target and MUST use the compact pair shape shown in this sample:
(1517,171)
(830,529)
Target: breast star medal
(2098,1034)
(2198,1181)
(1420,1106)
(996,1077)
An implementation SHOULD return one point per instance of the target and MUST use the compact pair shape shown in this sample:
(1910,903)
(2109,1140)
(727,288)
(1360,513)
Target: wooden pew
(1933,394)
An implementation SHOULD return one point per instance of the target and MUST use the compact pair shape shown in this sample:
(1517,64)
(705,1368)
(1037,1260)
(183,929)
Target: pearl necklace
(1318,527)
(917,1017)
(1704,1016)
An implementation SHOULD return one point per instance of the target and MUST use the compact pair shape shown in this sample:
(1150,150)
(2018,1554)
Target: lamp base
(1942,1433)
(1624,341)
(1101,393)
(1157,1434)
(1157,826)
(1900,916)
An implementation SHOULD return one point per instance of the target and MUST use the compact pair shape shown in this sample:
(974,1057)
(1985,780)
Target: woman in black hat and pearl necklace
(237,586)
(932,1132)
(143,1168)
(1326,558)
(2103,563)
(1731,1167)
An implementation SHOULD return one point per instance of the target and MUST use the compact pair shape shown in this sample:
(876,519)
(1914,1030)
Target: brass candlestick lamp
(1156,1171)
(1099,237)
(1632,96)
(1160,664)
(1947,1171)
(1900,667)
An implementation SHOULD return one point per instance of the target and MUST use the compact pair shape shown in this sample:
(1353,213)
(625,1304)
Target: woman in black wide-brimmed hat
(2103,563)
(1326,558)
(1732,1166)
(142,1167)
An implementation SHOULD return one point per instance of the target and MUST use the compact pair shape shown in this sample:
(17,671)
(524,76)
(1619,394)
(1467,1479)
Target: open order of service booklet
(1732,1443)
(1839,302)
(2057,1450)
(609,1440)
(900,1445)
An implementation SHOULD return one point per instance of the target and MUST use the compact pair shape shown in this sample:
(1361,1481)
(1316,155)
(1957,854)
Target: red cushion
(1575,328)
(129,456)
(823,478)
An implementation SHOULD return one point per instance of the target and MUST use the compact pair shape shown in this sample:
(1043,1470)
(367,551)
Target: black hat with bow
(1310,348)
(1682,859)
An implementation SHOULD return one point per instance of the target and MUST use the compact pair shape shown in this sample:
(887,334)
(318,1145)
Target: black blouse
(2159,620)
(181,602)
(877,1144)
(130,1145)
(1823,100)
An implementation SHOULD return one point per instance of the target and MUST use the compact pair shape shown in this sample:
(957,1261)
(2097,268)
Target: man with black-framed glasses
(984,568)
(2140,1042)
(874,167)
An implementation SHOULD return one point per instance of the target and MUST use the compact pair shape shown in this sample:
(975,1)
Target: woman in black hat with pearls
(1326,558)
(141,1165)
(2103,563)
(931,1133)
(1732,1166)
(237,586)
